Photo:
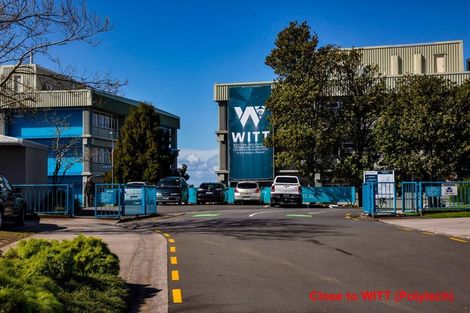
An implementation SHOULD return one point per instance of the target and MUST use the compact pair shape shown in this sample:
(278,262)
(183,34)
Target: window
(395,65)
(440,63)
(103,120)
(17,83)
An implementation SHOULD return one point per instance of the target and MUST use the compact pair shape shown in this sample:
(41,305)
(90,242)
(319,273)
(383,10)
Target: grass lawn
(7,237)
(447,214)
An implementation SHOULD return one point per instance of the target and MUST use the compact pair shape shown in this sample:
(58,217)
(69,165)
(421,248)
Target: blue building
(89,122)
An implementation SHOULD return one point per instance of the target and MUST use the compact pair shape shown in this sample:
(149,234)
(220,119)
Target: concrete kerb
(142,254)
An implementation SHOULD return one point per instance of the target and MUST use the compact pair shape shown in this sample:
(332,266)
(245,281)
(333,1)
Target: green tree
(142,151)
(418,130)
(302,118)
(461,113)
(362,94)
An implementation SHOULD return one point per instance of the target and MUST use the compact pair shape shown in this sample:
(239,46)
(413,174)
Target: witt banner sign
(248,128)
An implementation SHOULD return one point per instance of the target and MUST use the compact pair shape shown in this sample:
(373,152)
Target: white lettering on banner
(255,113)
(240,137)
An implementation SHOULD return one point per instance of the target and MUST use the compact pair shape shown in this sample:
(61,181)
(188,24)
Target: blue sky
(172,52)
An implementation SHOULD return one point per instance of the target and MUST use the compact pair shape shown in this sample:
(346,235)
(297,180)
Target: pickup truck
(12,205)
(286,189)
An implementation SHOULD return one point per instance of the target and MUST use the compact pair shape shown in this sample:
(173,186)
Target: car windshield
(210,186)
(287,180)
(247,185)
(174,182)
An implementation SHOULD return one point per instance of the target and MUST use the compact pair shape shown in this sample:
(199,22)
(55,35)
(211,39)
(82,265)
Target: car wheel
(20,218)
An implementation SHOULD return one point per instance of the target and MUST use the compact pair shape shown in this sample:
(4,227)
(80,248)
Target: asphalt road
(262,259)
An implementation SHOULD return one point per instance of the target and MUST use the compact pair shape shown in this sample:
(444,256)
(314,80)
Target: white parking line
(317,212)
(265,212)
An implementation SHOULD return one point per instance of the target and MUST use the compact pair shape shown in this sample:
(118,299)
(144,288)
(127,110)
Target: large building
(242,115)
(93,122)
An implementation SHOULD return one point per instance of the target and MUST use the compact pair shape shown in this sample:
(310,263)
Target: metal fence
(43,199)
(116,200)
(379,198)
(109,200)
(421,197)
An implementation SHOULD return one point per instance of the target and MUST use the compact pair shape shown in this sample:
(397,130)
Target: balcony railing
(103,132)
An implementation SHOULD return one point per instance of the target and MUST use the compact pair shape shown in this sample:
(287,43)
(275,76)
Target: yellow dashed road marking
(173,260)
(428,233)
(407,229)
(177,298)
(173,249)
(167,235)
(175,275)
(458,239)
(171,240)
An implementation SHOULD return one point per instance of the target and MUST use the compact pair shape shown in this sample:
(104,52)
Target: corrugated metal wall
(382,56)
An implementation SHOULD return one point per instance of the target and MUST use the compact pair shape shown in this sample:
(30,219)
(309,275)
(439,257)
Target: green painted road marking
(206,215)
(298,215)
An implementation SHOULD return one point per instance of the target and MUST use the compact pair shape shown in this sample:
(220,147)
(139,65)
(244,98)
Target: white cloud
(202,165)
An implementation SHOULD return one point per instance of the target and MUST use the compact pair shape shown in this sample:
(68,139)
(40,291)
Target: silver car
(247,191)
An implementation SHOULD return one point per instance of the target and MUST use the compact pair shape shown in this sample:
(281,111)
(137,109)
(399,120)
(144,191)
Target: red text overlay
(384,295)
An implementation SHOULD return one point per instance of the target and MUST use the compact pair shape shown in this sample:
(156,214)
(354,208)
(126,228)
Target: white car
(286,189)
(247,191)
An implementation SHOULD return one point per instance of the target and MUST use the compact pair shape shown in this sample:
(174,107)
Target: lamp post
(112,157)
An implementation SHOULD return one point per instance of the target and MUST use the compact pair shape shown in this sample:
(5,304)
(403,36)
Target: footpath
(142,255)
(453,227)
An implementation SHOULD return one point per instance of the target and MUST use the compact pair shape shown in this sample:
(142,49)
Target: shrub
(80,275)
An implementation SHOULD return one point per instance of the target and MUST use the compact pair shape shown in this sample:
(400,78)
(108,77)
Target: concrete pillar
(3,125)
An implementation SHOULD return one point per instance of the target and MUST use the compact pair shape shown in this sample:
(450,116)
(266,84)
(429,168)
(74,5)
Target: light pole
(112,158)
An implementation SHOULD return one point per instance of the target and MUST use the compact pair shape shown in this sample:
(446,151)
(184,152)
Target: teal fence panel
(328,194)
(265,195)
(229,195)
(444,196)
(109,200)
(44,199)
(379,198)
(410,197)
(150,203)
(192,195)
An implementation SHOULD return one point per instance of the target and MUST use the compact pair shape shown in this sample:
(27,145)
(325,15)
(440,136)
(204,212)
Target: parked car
(247,191)
(172,189)
(286,189)
(211,192)
(12,205)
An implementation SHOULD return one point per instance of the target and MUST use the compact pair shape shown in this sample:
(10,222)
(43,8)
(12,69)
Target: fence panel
(379,198)
(47,198)
(109,200)
(445,196)
(410,197)
(150,203)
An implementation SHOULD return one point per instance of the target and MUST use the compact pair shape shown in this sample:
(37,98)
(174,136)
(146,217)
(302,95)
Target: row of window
(104,120)
(101,155)
(439,64)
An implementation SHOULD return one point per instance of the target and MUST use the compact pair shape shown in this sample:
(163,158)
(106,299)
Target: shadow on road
(278,229)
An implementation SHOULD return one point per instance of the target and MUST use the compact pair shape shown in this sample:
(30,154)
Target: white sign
(449,189)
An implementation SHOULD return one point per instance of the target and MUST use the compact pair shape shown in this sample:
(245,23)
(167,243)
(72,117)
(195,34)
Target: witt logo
(255,113)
